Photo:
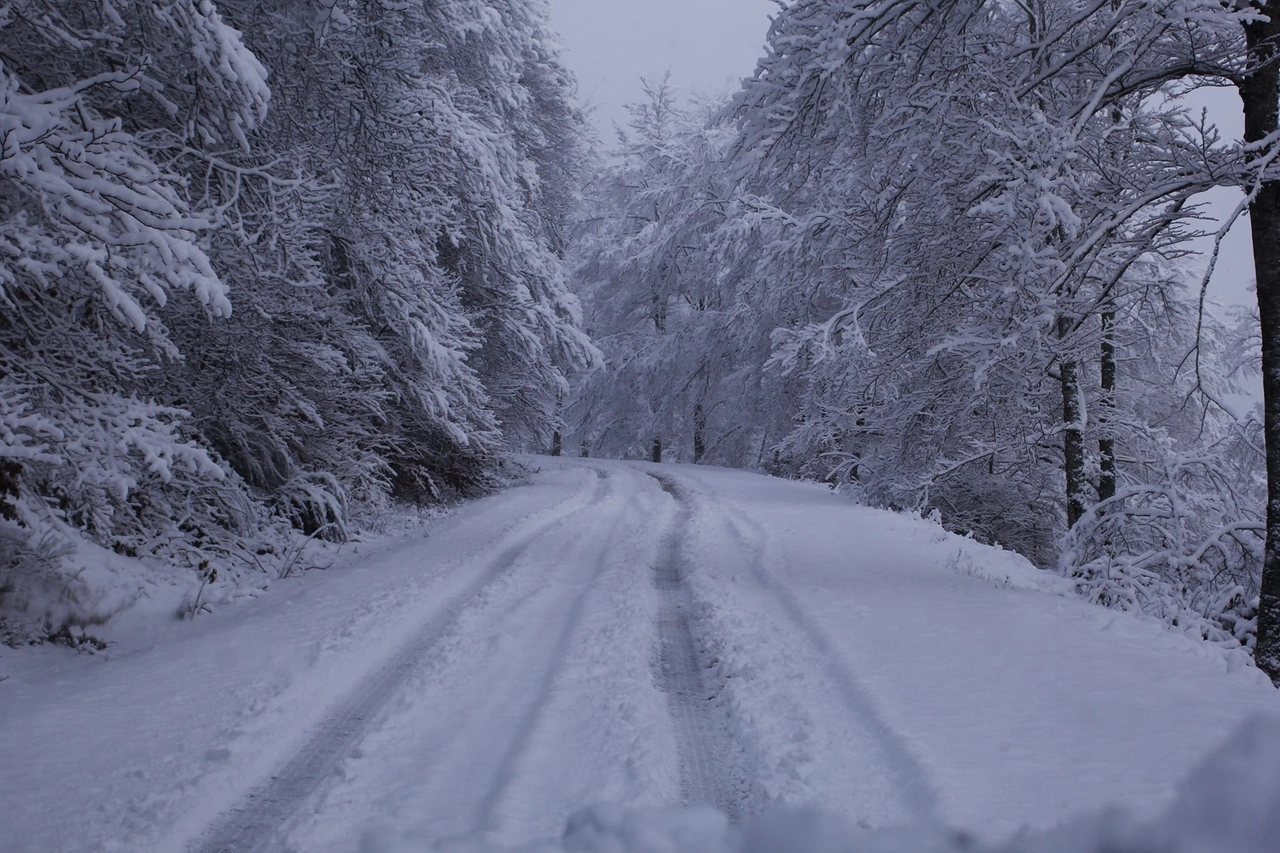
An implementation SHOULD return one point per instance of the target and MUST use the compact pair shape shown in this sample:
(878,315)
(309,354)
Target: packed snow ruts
(787,693)
(529,720)
(908,777)
(259,818)
(493,739)
(706,748)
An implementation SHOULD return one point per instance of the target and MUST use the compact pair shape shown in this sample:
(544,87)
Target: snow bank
(1231,802)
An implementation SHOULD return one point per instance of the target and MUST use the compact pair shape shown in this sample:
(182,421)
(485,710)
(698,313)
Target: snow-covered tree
(961,224)
(684,347)
(421,158)
(97,236)
(380,189)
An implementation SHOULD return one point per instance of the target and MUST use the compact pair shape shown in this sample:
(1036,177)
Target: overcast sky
(708,45)
(1233,275)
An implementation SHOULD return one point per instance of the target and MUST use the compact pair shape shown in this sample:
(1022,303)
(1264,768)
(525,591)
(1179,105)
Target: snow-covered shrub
(1186,549)
(30,574)
(1009,511)
(91,475)
(1182,538)
(316,504)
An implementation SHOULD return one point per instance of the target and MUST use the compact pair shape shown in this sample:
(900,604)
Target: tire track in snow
(708,771)
(909,775)
(488,810)
(255,823)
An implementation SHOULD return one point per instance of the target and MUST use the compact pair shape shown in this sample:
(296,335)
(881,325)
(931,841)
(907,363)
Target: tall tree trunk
(1106,410)
(656,454)
(1259,92)
(699,433)
(557,440)
(1072,433)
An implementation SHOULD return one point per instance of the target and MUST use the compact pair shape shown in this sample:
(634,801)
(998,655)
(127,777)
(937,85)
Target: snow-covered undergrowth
(1185,547)
(61,586)
(1227,805)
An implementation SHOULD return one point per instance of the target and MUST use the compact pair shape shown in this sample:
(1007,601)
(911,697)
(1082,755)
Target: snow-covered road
(619,633)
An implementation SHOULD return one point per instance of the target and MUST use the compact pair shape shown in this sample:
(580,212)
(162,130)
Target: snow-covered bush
(1183,535)
(1186,548)
(316,504)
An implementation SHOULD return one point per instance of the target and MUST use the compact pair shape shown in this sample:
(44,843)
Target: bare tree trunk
(1072,434)
(1259,91)
(557,440)
(699,433)
(657,450)
(1107,405)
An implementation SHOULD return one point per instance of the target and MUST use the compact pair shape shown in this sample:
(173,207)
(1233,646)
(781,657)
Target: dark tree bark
(656,453)
(10,471)
(699,433)
(1072,433)
(557,439)
(659,313)
(1259,91)
(1106,411)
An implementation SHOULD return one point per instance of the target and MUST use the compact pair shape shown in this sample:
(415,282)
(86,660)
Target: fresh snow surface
(609,641)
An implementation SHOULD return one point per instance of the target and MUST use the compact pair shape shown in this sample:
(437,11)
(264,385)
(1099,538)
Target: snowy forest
(268,267)
(939,255)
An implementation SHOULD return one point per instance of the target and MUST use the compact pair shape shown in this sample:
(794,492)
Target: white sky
(708,45)
(1233,276)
